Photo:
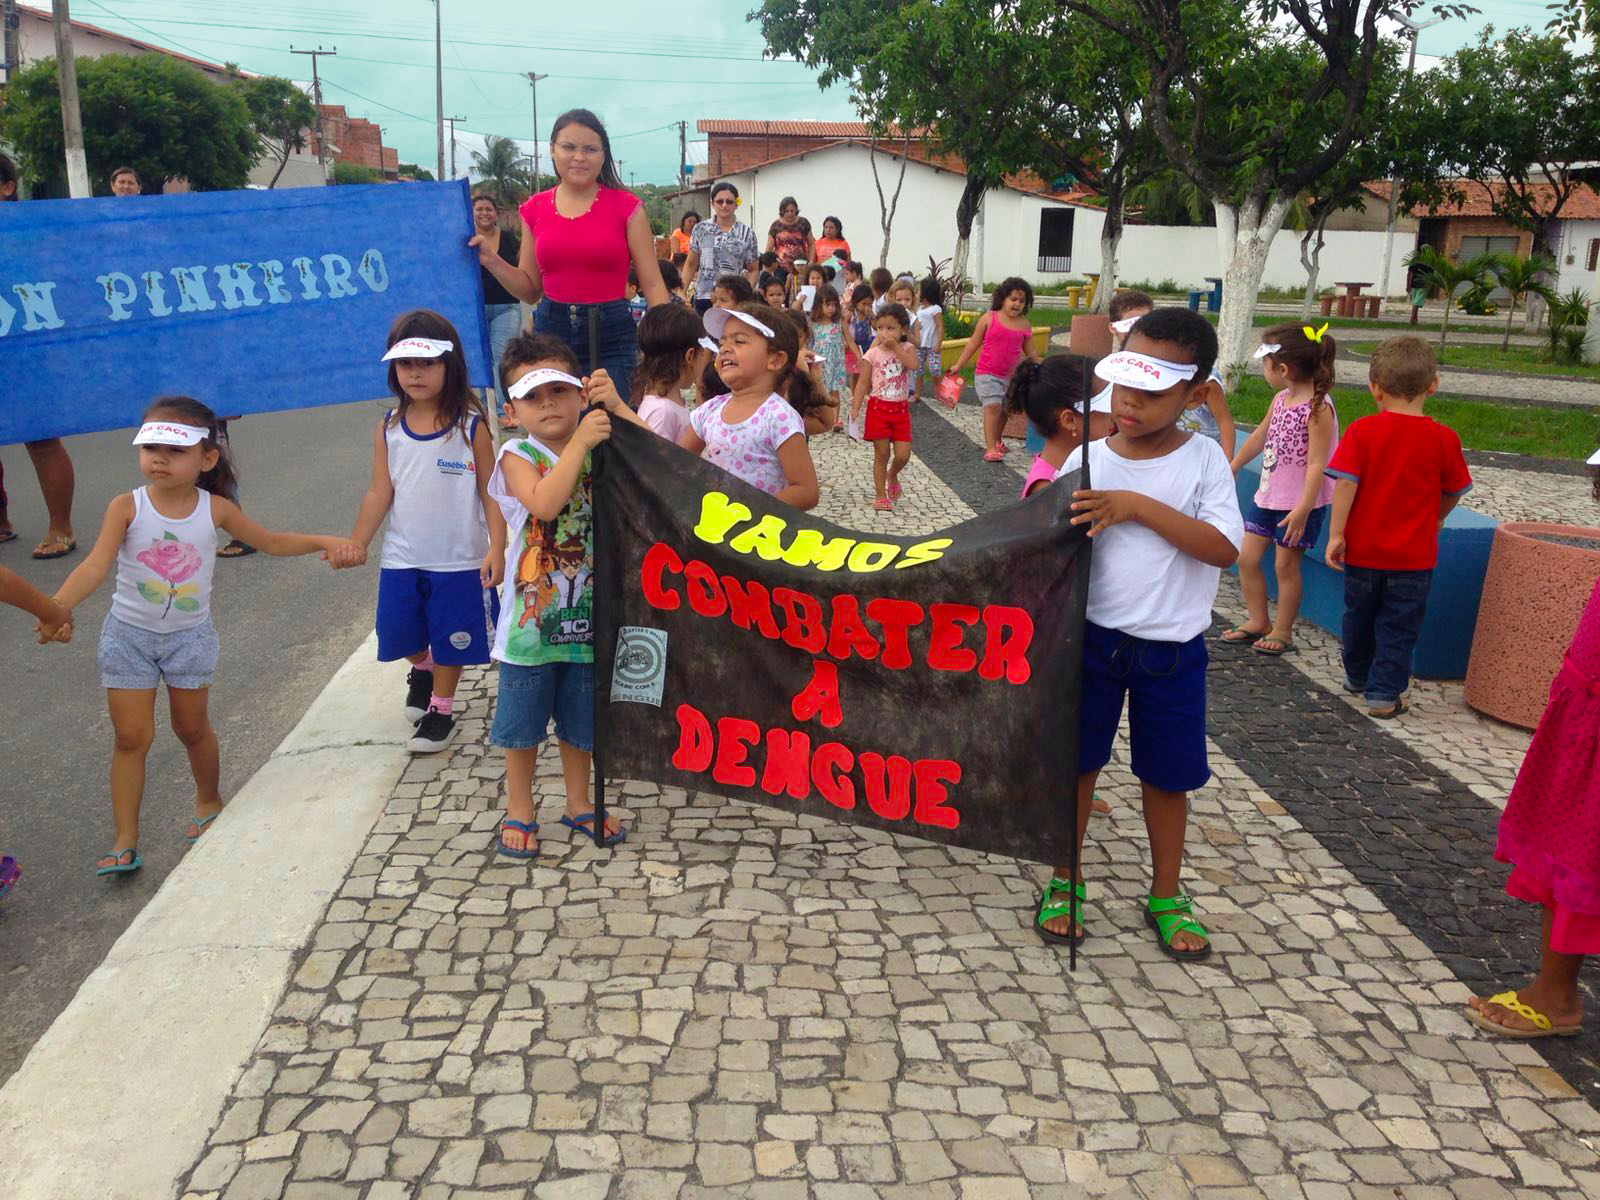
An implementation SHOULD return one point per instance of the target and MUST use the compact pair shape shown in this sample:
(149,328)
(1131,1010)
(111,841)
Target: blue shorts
(530,696)
(1263,522)
(441,611)
(1165,687)
(136,658)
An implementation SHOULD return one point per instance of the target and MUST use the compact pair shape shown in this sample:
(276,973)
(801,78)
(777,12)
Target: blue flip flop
(119,867)
(526,827)
(583,822)
(200,826)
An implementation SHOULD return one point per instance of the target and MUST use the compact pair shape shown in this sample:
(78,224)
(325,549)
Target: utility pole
(452,121)
(71,117)
(1415,28)
(683,155)
(438,67)
(316,99)
(538,138)
(13,49)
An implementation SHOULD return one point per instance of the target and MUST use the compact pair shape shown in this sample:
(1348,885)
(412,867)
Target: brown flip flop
(66,546)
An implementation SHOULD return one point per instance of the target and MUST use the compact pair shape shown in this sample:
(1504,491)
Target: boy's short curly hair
(1403,366)
(1186,328)
(528,348)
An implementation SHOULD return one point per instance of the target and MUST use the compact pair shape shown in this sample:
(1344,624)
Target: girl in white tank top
(162,539)
(432,459)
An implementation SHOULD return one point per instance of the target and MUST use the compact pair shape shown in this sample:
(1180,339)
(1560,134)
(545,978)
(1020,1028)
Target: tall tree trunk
(1247,232)
(1511,315)
(966,213)
(886,209)
(1311,260)
(1110,243)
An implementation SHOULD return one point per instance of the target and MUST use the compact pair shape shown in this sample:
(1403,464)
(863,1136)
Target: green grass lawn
(1512,429)
(1522,359)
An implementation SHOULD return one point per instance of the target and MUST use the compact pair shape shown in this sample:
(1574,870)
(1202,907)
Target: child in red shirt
(1399,473)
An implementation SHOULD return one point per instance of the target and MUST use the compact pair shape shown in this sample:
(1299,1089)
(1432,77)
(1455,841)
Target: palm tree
(1522,277)
(1434,270)
(502,171)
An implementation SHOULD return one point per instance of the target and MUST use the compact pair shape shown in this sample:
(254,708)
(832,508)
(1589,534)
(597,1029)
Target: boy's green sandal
(1050,908)
(1171,915)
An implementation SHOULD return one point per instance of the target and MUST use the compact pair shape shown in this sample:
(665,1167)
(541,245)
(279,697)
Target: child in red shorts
(885,385)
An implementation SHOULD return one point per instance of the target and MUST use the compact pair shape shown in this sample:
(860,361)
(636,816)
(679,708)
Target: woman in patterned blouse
(720,245)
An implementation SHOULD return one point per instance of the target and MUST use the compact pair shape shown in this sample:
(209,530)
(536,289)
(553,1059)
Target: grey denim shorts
(131,657)
(991,389)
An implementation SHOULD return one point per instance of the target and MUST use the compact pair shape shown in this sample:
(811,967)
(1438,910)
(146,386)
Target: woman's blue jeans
(619,341)
(503,320)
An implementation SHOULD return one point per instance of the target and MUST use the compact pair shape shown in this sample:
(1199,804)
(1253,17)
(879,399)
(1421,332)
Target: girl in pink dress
(1550,833)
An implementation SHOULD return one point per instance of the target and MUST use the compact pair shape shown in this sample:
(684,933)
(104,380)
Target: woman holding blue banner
(583,234)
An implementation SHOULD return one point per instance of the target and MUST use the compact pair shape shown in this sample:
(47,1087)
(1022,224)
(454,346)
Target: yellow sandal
(1508,1001)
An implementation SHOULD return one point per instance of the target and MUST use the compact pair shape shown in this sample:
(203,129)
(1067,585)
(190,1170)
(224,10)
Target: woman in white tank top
(162,539)
(445,545)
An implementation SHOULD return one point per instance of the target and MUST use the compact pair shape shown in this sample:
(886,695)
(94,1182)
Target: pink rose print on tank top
(173,562)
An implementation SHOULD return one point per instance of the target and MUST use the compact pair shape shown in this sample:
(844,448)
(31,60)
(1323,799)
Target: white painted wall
(837,181)
(1572,255)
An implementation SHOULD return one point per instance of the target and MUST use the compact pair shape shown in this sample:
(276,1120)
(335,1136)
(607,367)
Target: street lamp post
(1415,27)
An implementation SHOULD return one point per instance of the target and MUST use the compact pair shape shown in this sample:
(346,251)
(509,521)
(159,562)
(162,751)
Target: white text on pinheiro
(169,291)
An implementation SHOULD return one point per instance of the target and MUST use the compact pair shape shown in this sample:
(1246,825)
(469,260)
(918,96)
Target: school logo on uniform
(641,665)
(450,466)
(461,639)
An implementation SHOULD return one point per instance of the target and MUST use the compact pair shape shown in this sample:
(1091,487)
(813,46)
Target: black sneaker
(419,690)
(434,732)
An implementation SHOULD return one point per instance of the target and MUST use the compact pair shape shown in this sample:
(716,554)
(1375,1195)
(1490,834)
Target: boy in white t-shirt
(930,335)
(1164,515)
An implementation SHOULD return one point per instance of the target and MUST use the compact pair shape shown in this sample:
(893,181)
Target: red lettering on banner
(694,740)
(896,617)
(705,594)
(820,697)
(788,760)
(846,633)
(735,736)
(945,651)
(1008,634)
(933,806)
(827,767)
(802,627)
(888,784)
(658,560)
(749,604)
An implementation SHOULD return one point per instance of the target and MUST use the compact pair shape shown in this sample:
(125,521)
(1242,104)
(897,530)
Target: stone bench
(1446,639)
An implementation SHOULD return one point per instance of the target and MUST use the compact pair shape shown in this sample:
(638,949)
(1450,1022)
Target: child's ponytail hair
(930,292)
(667,333)
(222,479)
(1309,359)
(790,381)
(458,403)
(1044,390)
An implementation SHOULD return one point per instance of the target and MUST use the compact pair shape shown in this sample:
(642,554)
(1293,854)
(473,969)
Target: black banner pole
(1077,791)
(602,677)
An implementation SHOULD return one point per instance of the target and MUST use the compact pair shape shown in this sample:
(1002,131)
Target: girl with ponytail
(1295,441)
(1051,394)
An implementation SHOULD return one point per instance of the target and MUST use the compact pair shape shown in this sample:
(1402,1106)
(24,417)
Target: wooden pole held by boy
(602,671)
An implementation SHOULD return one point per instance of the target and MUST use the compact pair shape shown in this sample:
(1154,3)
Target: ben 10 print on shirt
(553,602)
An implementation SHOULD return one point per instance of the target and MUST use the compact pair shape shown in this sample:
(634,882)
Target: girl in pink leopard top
(1550,834)
(162,540)
(1295,442)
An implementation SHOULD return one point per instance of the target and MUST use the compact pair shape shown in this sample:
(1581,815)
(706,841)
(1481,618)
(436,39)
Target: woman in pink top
(583,235)
(1002,338)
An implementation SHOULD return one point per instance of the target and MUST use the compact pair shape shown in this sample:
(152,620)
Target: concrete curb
(117,1098)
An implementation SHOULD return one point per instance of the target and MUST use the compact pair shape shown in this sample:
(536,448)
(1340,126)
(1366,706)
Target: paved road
(286,625)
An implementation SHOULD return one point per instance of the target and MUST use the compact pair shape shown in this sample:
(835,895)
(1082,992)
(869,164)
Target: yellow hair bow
(1314,334)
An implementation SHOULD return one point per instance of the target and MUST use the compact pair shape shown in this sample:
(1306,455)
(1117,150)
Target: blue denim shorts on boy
(1165,687)
(1263,522)
(131,657)
(441,611)
(1383,612)
(530,696)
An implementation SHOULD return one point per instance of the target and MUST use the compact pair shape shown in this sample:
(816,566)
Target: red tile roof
(1583,204)
(825,129)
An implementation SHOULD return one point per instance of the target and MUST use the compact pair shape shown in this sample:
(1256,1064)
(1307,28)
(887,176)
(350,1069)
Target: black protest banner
(922,685)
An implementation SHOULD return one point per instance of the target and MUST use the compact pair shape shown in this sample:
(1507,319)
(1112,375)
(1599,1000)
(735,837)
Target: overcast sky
(643,65)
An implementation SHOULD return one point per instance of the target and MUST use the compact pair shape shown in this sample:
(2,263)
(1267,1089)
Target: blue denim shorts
(1263,522)
(135,658)
(1164,686)
(530,696)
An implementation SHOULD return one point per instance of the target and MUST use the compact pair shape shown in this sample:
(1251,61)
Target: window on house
(1055,240)
(1471,247)
(1594,254)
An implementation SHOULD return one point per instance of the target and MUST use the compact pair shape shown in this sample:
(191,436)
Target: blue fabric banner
(248,301)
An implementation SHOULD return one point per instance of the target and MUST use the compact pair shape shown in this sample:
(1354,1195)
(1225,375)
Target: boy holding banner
(544,641)
(1165,520)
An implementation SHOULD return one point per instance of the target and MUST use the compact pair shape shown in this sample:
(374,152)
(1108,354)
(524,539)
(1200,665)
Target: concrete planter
(1538,581)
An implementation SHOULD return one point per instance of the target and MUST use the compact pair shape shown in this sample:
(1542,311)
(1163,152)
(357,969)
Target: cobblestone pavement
(742,1002)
